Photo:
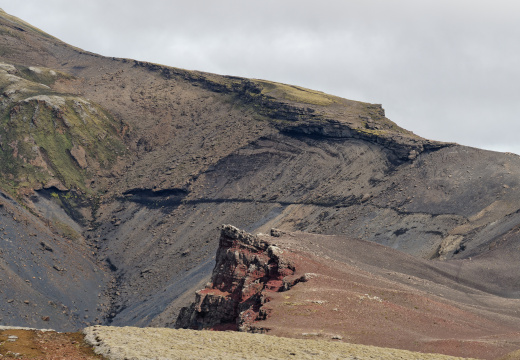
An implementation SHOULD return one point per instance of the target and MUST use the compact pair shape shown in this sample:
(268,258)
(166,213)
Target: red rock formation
(247,269)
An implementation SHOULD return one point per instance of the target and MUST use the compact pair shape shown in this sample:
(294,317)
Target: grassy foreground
(160,343)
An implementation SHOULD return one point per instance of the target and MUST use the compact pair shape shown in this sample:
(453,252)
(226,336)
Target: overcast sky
(447,70)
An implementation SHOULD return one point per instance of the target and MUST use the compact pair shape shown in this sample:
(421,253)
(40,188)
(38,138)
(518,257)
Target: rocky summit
(116,175)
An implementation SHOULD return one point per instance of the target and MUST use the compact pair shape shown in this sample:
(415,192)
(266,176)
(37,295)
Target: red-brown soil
(392,301)
(49,345)
(342,289)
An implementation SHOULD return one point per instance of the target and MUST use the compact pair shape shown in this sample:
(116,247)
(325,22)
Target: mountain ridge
(186,151)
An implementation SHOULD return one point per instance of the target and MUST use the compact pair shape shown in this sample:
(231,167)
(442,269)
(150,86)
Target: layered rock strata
(248,268)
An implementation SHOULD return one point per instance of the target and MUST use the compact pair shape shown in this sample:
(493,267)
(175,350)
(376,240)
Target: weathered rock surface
(247,270)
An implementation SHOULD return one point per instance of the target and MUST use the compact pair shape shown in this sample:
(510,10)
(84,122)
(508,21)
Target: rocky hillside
(132,167)
(51,139)
(47,280)
(340,289)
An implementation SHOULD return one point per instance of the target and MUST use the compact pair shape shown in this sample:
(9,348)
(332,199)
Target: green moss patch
(41,75)
(50,137)
(295,93)
(65,230)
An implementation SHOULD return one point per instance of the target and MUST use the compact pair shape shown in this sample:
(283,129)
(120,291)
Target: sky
(446,70)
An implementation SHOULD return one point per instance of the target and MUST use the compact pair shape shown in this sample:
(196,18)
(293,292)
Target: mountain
(126,169)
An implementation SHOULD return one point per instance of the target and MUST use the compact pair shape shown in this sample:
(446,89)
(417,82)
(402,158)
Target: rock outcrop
(247,269)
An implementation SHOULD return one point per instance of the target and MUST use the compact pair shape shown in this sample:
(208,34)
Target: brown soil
(402,302)
(49,345)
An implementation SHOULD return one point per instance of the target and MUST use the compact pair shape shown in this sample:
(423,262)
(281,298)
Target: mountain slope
(50,138)
(304,285)
(47,280)
(155,158)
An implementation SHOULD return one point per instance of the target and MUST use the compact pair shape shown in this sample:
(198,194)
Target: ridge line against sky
(446,70)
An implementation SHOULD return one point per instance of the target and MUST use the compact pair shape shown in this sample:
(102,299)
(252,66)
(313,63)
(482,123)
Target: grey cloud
(447,70)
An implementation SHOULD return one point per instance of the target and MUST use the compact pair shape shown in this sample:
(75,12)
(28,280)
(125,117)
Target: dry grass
(43,345)
(161,343)
(295,93)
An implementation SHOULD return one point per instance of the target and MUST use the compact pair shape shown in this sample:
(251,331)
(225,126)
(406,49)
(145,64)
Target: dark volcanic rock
(248,269)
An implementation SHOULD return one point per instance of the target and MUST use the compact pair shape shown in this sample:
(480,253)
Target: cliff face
(247,270)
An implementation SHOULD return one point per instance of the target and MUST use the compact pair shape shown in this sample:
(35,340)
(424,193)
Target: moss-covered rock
(48,138)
